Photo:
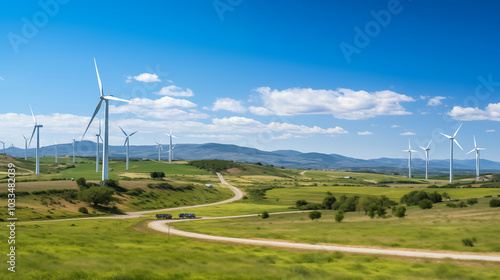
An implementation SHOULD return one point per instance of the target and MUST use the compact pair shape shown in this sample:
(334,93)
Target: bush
(96,195)
(435,197)
(299,203)
(472,201)
(452,205)
(82,183)
(155,175)
(494,202)
(83,210)
(462,204)
(314,215)
(425,204)
(399,211)
(265,215)
(469,242)
(312,206)
(339,216)
(328,202)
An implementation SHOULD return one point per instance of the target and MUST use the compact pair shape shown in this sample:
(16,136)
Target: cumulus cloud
(365,133)
(174,90)
(491,112)
(147,78)
(261,111)
(229,104)
(341,103)
(408,133)
(435,101)
(490,130)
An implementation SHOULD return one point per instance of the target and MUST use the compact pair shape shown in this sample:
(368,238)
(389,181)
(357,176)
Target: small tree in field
(472,201)
(299,203)
(399,211)
(314,215)
(425,204)
(81,183)
(339,216)
(265,215)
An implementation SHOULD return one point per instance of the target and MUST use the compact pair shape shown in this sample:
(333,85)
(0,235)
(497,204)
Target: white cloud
(216,136)
(147,78)
(229,104)
(490,130)
(395,126)
(436,101)
(282,136)
(174,90)
(491,112)
(423,97)
(128,79)
(261,111)
(365,133)
(341,103)
(408,133)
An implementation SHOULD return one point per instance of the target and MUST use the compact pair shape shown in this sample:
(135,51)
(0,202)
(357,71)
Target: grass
(126,249)
(440,228)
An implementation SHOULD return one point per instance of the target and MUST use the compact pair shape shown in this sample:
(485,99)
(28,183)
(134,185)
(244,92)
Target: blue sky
(357,78)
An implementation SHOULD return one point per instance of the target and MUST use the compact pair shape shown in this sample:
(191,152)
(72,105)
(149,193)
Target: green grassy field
(439,228)
(126,249)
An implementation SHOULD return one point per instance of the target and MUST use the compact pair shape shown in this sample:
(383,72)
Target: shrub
(339,216)
(328,202)
(83,210)
(299,203)
(472,201)
(494,202)
(314,215)
(96,195)
(265,215)
(462,204)
(452,205)
(425,204)
(156,174)
(399,211)
(435,197)
(82,183)
(469,241)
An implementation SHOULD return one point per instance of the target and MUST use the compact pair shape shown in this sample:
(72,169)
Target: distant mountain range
(280,158)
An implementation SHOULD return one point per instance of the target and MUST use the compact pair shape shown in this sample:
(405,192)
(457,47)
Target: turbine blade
(447,136)
(32,134)
(98,78)
(93,116)
(457,130)
(422,148)
(109,97)
(456,142)
(123,131)
(125,143)
(24,137)
(429,144)
(33,115)
(175,137)
(133,133)
(475,145)
(470,151)
(101,138)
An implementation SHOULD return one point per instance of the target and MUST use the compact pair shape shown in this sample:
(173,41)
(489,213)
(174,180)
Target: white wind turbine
(98,136)
(25,147)
(36,128)
(106,99)
(127,142)
(160,148)
(426,149)
(477,157)
(409,158)
(170,147)
(55,147)
(3,143)
(452,139)
(173,147)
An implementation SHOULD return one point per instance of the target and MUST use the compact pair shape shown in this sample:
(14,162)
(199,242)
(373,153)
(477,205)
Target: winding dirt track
(162,226)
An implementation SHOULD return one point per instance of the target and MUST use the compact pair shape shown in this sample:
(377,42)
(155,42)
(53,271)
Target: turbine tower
(74,144)
(160,148)
(409,158)
(55,147)
(98,135)
(477,157)
(426,149)
(170,147)
(3,143)
(25,147)
(127,142)
(173,147)
(452,139)
(36,128)
(105,98)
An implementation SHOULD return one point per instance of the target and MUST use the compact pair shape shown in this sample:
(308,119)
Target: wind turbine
(173,147)
(74,144)
(426,149)
(409,158)
(97,148)
(160,148)
(55,147)
(452,139)
(477,157)
(127,142)
(25,147)
(170,147)
(106,99)
(3,143)
(36,128)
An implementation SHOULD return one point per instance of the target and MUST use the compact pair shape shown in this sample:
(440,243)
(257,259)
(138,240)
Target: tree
(81,183)
(435,197)
(329,201)
(462,204)
(399,211)
(445,195)
(96,195)
(425,204)
(339,216)
(314,215)
(472,201)
(83,210)
(494,203)
(265,215)
(299,203)
(469,242)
